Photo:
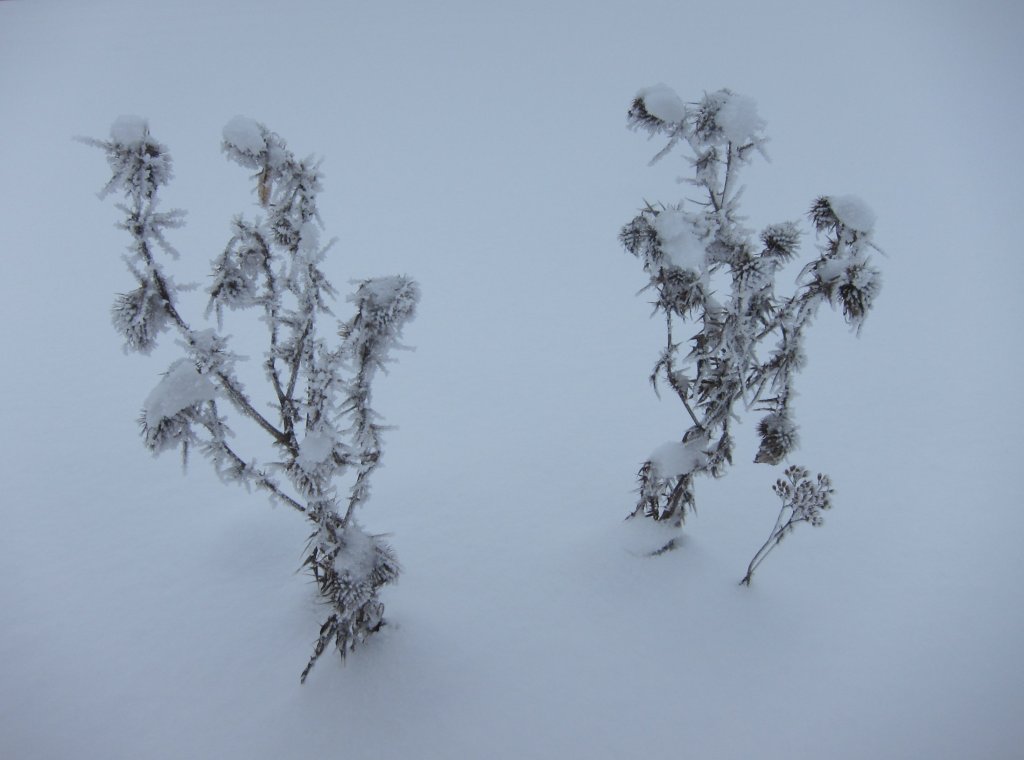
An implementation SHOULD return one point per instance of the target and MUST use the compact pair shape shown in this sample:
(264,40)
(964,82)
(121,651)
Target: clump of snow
(207,342)
(277,155)
(830,269)
(245,135)
(309,237)
(679,240)
(179,389)
(852,212)
(662,102)
(739,120)
(129,130)
(383,289)
(380,293)
(314,449)
(673,459)
(358,555)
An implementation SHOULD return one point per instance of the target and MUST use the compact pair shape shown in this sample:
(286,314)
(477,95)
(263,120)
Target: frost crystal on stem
(322,427)
(716,277)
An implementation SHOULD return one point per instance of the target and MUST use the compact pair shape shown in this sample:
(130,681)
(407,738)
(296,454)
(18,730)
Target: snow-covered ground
(481,148)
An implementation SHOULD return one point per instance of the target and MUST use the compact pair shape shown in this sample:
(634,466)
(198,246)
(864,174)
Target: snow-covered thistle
(707,269)
(323,427)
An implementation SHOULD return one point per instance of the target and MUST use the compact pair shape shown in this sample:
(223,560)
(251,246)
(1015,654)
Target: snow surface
(662,102)
(150,615)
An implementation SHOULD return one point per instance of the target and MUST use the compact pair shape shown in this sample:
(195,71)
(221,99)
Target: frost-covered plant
(803,500)
(710,271)
(323,427)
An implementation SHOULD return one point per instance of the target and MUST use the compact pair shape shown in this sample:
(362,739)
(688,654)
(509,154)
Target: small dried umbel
(803,500)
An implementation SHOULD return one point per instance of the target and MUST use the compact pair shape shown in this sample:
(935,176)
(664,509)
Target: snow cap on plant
(657,106)
(138,163)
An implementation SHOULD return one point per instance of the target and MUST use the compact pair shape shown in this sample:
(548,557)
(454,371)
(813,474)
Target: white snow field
(481,148)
